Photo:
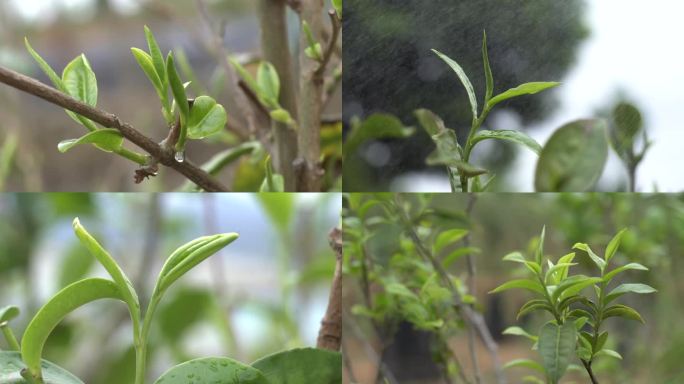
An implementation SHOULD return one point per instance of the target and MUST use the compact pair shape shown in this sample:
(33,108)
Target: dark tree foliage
(390,68)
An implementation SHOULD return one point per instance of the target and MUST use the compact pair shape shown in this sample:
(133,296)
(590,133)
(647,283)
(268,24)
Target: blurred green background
(502,223)
(265,292)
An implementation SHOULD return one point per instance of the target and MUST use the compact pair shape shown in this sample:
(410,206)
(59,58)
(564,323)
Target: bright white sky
(45,10)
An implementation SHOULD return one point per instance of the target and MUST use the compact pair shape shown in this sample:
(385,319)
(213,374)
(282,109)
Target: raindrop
(180,156)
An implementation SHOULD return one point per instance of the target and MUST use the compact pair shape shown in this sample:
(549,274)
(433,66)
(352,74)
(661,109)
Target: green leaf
(8,313)
(180,97)
(206,118)
(517,137)
(549,277)
(539,253)
(628,288)
(79,81)
(524,363)
(125,287)
(521,90)
(145,62)
(447,238)
(517,331)
(530,285)
(313,49)
(52,313)
(599,262)
(107,139)
(620,310)
(573,158)
(269,84)
(628,124)
(215,370)
(376,126)
(610,353)
(11,366)
(245,75)
(282,116)
(534,305)
(631,266)
(56,80)
(464,79)
(457,254)
(489,77)
(613,245)
(157,58)
(295,366)
(431,123)
(189,255)
(273,182)
(557,347)
(572,286)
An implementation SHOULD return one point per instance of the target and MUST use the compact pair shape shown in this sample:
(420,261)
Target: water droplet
(180,156)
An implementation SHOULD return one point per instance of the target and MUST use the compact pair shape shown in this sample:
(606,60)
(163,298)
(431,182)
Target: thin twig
(473,318)
(106,119)
(472,291)
(330,334)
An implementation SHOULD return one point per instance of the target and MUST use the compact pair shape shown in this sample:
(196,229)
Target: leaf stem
(135,157)
(587,366)
(9,336)
(141,344)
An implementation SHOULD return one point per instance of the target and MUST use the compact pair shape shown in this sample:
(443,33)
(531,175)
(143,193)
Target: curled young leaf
(79,81)
(269,84)
(489,77)
(376,126)
(206,118)
(295,366)
(52,313)
(156,57)
(180,98)
(107,139)
(8,313)
(273,182)
(219,370)
(145,62)
(613,245)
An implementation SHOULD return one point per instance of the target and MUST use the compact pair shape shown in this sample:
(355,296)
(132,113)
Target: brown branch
(330,334)
(336,28)
(106,119)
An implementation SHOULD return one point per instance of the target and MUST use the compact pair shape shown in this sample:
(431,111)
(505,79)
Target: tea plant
(574,332)
(24,364)
(295,116)
(397,286)
(627,125)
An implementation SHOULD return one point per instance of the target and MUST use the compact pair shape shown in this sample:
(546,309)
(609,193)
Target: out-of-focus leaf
(530,285)
(295,366)
(573,158)
(524,363)
(273,182)
(220,370)
(75,265)
(628,124)
(517,137)
(186,308)
(8,313)
(377,126)
(269,84)
(11,366)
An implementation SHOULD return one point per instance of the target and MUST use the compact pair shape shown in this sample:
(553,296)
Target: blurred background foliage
(391,69)
(264,293)
(105,30)
(501,223)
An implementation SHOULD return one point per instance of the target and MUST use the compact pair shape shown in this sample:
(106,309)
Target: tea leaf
(145,62)
(8,313)
(573,158)
(572,286)
(539,252)
(313,49)
(447,238)
(157,58)
(513,136)
(376,126)
(613,245)
(557,347)
(631,266)
(524,363)
(56,80)
(521,90)
(517,331)
(628,123)
(620,310)
(609,352)
(295,366)
(530,285)
(206,118)
(52,313)
(464,79)
(11,366)
(269,84)
(219,370)
(600,263)
(273,182)
(107,139)
(628,288)
(177,88)
(534,305)
(489,77)
(79,81)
